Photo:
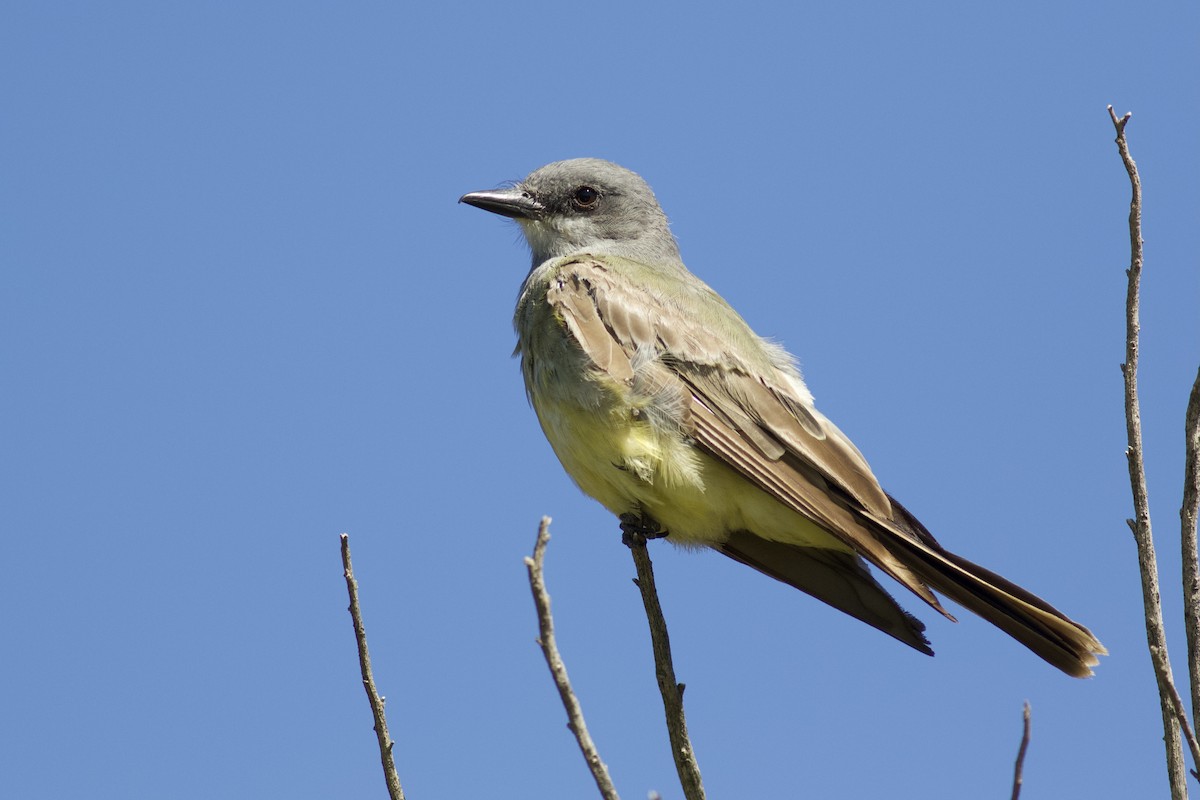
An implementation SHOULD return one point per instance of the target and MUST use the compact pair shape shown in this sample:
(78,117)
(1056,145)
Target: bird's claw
(639,526)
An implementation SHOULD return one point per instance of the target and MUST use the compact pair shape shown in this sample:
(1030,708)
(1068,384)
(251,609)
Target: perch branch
(672,691)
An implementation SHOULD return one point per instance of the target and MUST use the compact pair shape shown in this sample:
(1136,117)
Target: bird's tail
(1027,618)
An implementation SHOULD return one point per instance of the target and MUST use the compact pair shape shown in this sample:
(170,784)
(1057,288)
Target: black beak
(515,203)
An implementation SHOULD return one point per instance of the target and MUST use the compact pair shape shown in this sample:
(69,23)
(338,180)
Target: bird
(665,406)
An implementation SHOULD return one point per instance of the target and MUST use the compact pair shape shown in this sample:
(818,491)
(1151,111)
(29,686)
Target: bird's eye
(585,197)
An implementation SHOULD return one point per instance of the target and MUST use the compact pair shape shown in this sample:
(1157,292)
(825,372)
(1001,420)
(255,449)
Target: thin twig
(1188,513)
(558,670)
(664,670)
(1019,769)
(368,679)
(1156,637)
(1177,708)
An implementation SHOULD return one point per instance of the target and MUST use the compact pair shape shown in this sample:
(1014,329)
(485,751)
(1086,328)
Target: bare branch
(1156,637)
(1019,769)
(558,670)
(664,669)
(1188,513)
(368,679)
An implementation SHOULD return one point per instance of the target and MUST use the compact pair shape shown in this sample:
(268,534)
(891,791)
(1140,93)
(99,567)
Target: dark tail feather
(1027,618)
(839,579)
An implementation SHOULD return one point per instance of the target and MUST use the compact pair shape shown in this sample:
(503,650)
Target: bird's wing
(742,409)
(668,331)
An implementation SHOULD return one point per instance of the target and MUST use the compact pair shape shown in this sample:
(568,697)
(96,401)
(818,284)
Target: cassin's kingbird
(664,405)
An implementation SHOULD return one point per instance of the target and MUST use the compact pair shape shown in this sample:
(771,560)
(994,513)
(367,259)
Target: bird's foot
(639,526)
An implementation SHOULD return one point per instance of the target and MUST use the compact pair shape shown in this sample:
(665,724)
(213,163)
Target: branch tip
(1119,124)
(1019,768)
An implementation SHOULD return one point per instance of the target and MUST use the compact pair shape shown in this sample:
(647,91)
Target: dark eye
(586,197)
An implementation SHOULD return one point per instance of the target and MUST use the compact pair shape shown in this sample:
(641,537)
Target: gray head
(585,205)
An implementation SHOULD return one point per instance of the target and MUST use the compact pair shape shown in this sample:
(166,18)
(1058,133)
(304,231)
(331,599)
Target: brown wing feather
(830,452)
(577,309)
(788,485)
(726,365)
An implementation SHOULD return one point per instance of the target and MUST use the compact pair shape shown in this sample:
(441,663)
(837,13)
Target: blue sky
(241,312)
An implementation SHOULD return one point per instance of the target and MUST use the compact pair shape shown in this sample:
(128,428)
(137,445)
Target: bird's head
(585,205)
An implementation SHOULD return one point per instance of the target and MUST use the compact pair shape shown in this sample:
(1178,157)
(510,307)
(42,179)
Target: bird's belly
(631,467)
